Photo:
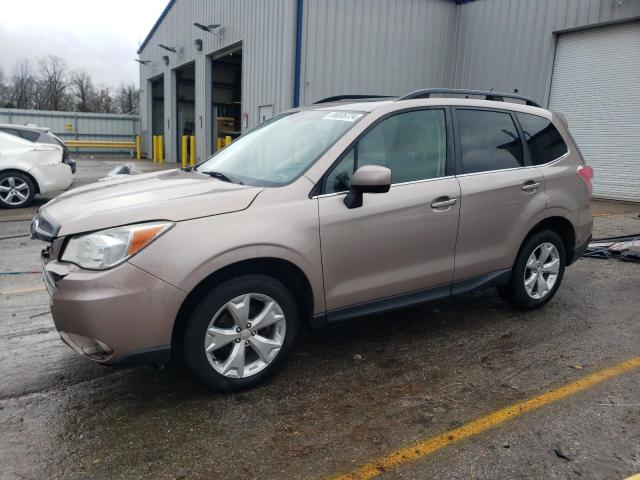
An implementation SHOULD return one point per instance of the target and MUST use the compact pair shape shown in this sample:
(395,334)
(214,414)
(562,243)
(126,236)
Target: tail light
(585,172)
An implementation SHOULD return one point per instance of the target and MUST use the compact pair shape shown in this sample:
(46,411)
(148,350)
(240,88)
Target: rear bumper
(52,177)
(123,315)
(579,251)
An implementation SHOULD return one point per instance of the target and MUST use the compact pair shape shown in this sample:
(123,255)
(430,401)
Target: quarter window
(489,141)
(413,145)
(543,139)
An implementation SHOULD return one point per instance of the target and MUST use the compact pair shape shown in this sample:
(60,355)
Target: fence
(105,127)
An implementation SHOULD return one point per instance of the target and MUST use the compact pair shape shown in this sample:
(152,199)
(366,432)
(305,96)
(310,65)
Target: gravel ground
(345,396)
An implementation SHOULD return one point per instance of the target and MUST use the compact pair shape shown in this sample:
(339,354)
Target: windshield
(281,149)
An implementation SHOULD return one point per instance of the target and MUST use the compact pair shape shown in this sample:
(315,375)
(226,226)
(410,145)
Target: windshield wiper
(219,176)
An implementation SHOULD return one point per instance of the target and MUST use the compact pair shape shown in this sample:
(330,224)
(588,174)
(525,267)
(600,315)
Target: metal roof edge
(162,16)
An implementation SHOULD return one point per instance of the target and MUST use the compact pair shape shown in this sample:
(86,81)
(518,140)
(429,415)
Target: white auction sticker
(343,116)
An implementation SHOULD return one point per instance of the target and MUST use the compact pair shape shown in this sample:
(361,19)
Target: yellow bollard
(227,140)
(138,148)
(160,149)
(183,151)
(192,150)
(154,148)
(218,143)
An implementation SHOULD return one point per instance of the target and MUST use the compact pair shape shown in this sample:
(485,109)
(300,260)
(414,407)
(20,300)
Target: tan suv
(342,209)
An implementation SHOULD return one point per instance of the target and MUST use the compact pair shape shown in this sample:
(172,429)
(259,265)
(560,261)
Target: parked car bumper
(122,315)
(52,177)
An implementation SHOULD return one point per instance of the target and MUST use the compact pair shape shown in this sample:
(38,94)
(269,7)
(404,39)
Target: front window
(279,151)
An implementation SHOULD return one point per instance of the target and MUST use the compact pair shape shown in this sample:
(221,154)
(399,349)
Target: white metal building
(255,58)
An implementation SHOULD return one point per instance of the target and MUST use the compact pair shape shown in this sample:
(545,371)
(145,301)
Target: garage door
(596,85)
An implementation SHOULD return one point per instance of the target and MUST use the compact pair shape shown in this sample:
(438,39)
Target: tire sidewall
(521,297)
(193,342)
(25,179)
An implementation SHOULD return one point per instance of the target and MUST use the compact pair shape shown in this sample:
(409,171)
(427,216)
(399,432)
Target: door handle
(443,202)
(530,186)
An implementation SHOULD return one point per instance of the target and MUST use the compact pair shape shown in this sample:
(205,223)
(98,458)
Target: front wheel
(537,272)
(241,332)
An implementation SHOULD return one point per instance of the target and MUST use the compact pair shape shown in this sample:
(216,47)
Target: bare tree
(53,82)
(104,101)
(22,85)
(4,90)
(83,90)
(128,98)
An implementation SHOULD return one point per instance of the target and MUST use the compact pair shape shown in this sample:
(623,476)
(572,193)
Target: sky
(100,36)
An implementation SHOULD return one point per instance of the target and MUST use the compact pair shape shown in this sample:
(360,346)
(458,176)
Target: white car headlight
(108,248)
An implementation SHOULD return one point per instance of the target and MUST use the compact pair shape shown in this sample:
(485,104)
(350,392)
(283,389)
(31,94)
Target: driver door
(399,242)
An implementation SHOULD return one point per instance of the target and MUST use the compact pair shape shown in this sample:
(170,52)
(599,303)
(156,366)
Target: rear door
(397,242)
(502,194)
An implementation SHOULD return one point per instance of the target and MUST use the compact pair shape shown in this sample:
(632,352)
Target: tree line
(48,84)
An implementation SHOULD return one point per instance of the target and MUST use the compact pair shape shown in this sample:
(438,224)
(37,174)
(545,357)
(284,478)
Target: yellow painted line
(24,290)
(425,447)
(634,477)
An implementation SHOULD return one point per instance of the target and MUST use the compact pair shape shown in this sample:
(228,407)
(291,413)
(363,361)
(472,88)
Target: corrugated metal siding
(508,44)
(375,46)
(266,30)
(84,126)
(596,85)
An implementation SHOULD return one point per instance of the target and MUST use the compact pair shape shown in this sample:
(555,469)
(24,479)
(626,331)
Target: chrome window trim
(561,157)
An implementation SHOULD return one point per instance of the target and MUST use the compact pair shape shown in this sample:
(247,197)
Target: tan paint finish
(495,216)
(395,243)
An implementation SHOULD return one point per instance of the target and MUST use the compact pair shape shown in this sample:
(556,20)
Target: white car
(28,168)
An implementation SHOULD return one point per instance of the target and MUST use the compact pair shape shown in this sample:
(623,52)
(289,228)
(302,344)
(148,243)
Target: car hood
(167,195)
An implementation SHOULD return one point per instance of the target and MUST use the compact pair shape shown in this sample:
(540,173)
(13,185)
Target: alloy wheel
(541,270)
(14,191)
(245,335)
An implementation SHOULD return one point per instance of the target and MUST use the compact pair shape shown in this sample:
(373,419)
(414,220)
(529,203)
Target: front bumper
(122,315)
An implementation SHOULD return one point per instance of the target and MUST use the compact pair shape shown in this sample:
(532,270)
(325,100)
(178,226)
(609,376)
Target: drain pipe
(298,53)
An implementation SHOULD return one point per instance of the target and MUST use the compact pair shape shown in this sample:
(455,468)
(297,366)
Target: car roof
(24,127)
(396,104)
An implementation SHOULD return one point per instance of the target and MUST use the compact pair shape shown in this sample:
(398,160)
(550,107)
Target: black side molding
(411,299)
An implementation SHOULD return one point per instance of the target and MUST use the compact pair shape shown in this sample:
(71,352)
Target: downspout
(298,54)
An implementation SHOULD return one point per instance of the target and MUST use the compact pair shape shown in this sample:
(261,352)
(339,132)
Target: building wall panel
(509,44)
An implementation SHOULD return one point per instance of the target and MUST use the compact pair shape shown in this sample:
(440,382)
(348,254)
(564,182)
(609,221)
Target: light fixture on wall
(143,62)
(215,29)
(168,49)
(165,59)
(198,44)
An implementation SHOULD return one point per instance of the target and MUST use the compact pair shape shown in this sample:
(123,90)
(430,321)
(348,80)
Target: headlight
(108,248)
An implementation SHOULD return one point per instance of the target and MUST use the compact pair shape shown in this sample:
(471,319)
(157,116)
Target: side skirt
(411,299)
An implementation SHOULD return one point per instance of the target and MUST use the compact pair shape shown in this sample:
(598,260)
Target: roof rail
(338,98)
(488,95)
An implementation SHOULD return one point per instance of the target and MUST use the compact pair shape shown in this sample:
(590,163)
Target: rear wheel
(537,272)
(16,190)
(241,332)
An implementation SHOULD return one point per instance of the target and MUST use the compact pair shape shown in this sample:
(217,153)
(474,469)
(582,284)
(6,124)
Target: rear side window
(489,141)
(29,135)
(10,131)
(543,139)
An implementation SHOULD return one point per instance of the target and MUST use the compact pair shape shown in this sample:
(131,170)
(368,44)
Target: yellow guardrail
(135,145)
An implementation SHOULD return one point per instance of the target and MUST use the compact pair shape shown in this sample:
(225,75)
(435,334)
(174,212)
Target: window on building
(489,141)
(543,139)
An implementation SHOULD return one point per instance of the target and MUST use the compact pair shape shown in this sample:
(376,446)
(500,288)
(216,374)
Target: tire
(238,360)
(534,294)
(16,190)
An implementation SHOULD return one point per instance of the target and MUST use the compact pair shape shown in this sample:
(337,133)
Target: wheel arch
(26,174)
(562,227)
(285,271)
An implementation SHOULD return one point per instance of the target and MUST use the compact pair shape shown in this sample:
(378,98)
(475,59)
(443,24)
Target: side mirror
(367,179)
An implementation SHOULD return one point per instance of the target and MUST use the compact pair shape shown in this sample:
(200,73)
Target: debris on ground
(625,248)
(357,357)
(121,171)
